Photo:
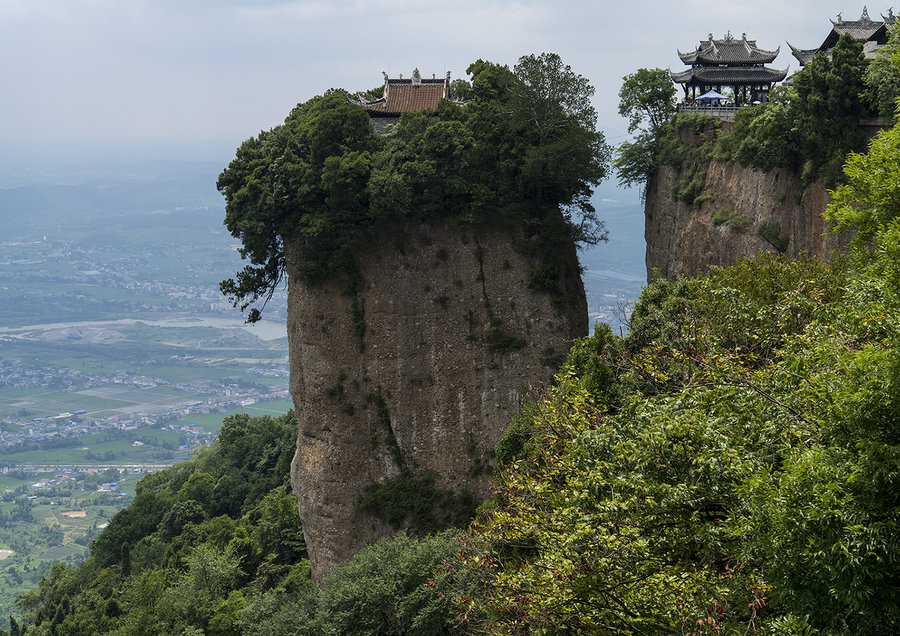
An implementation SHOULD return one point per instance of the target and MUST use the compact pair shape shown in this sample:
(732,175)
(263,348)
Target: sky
(193,78)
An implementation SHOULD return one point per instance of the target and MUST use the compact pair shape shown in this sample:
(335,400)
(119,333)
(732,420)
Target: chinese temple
(401,95)
(872,33)
(733,63)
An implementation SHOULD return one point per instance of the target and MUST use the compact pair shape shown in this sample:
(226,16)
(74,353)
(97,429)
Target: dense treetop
(524,147)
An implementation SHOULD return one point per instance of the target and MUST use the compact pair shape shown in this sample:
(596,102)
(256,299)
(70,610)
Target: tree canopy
(883,76)
(647,100)
(810,127)
(524,146)
(729,466)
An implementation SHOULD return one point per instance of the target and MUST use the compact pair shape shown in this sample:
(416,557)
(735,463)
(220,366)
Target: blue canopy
(711,96)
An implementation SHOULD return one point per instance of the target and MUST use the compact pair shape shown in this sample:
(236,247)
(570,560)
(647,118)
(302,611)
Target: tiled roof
(733,76)
(863,30)
(404,95)
(860,31)
(804,56)
(729,51)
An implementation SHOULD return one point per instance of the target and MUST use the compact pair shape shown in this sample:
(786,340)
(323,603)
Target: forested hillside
(730,466)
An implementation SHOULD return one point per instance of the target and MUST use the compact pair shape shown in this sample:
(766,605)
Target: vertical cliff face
(739,213)
(414,367)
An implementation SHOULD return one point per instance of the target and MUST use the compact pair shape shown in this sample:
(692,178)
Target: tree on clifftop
(308,177)
(647,100)
(523,147)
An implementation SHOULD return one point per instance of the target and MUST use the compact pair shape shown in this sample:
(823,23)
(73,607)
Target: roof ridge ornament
(865,15)
(416,77)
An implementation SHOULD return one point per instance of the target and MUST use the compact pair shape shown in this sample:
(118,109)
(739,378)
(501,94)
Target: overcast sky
(207,74)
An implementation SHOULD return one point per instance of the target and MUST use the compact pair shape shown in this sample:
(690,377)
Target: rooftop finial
(416,77)
(865,15)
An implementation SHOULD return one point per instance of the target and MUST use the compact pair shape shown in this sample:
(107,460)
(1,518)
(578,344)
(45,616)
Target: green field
(213,422)
(50,535)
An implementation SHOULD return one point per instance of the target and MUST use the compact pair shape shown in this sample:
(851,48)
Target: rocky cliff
(414,367)
(738,213)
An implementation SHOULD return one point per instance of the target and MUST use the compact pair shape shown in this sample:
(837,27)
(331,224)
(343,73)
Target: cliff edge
(413,367)
(728,213)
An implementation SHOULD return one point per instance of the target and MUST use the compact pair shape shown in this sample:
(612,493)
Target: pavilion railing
(722,112)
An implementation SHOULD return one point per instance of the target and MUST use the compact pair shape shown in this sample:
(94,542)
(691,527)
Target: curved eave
(731,76)
(688,58)
(804,56)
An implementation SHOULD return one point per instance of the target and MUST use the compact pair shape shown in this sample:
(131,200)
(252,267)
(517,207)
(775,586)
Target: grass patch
(735,221)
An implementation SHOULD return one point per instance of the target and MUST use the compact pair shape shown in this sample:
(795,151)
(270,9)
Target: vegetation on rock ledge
(524,152)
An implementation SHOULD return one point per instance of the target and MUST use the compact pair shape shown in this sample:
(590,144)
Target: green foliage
(732,219)
(728,466)
(398,586)
(810,127)
(416,503)
(501,340)
(635,161)
(687,143)
(525,146)
(871,197)
(883,76)
(771,233)
(305,178)
(193,534)
(392,588)
(764,137)
(647,100)
(829,105)
(691,185)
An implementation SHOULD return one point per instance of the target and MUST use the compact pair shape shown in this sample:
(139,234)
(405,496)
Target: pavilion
(729,63)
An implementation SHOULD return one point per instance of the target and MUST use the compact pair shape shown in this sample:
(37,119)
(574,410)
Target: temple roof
(728,51)
(730,76)
(804,56)
(401,95)
(863,30)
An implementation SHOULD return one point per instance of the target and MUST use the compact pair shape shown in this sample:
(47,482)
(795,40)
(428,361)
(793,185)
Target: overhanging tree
(647,100)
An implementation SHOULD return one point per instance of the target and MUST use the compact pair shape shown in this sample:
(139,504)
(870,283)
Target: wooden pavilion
(738,64)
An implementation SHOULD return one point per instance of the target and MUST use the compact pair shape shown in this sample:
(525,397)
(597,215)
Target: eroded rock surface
(742,213)
(414,367)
